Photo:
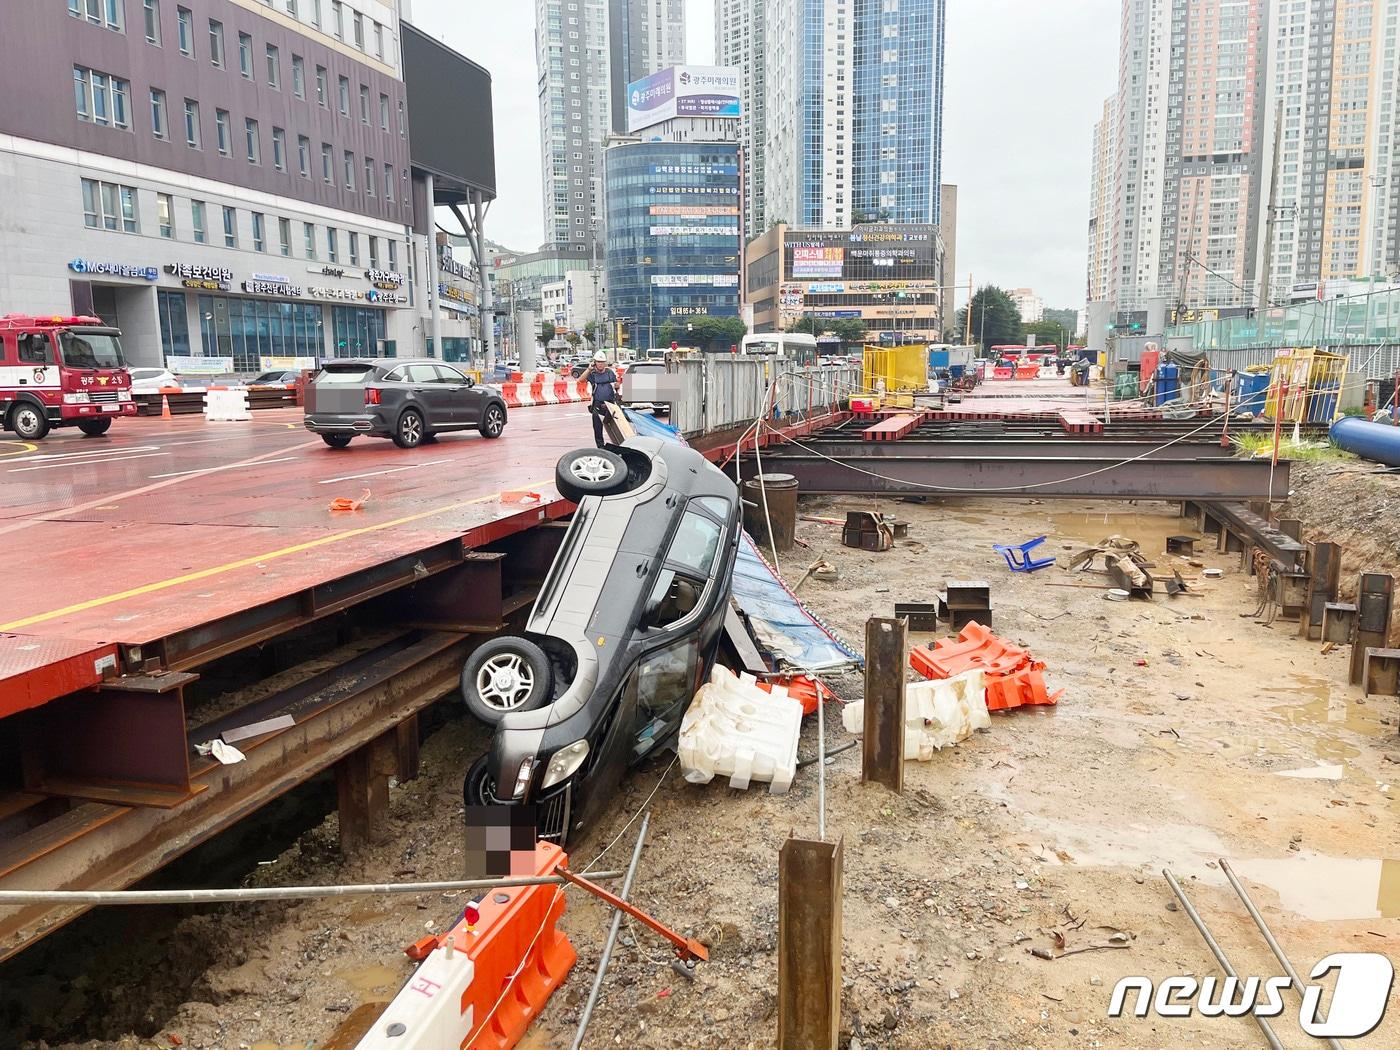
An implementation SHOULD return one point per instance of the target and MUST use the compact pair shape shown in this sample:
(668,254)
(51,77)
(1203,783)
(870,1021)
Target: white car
(151,380)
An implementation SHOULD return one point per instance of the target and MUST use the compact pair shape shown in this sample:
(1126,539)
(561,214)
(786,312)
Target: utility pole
(593,225)
(1266,271)
(967,336)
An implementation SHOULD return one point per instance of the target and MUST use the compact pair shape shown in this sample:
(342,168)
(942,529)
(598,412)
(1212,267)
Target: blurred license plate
(655,386)
(111,408)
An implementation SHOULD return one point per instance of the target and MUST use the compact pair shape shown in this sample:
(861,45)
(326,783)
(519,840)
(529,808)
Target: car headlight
(522,778)
(565,763)
(80,398)
(123,395)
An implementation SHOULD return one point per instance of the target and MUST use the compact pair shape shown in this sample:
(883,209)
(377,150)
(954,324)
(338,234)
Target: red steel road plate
(34,671)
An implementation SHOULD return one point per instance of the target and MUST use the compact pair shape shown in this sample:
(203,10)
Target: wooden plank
(406,739)
(882,755)
(811,878)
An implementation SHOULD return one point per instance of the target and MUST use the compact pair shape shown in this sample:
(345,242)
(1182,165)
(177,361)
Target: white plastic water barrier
(735,729)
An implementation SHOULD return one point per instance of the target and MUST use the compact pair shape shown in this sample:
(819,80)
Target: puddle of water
(1327,706)
(354,1028)
(368,980)
(1328,889)
(1149,529)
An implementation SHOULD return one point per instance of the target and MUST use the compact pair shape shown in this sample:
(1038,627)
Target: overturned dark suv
(622,634)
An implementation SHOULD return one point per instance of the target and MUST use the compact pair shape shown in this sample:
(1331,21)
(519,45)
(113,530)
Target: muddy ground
(1179,716)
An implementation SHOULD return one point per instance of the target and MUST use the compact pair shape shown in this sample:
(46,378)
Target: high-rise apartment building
(644,36)
(850,124)
(739,42)
(1334,81)
(1101,184)
(1208,203)
(572,57)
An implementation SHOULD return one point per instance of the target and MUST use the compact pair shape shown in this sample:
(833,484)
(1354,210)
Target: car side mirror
(471,381)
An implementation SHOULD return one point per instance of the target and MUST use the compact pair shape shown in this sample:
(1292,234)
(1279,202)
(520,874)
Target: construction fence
(722,391)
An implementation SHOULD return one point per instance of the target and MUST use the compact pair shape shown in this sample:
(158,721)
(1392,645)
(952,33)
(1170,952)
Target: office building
(572,57)
(673,237)
(739,42)
(887,276)
(1101,201)
(644,36)
(225,181)
(576,303)
(853,111)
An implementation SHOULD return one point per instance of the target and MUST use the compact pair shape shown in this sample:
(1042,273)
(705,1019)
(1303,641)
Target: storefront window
(250,329)
(174,326)
(358,331)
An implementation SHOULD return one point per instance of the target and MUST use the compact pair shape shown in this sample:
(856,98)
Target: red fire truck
(59,372)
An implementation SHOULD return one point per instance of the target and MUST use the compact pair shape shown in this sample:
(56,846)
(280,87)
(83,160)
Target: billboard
(886,255)
(683,91)
(817,261)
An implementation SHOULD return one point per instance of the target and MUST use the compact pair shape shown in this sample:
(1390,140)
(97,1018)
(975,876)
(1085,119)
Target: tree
(589,331)
(573,339)
(1068,319)
(995,319)
(805,325)
(547,332)
(849,329)
(666,334)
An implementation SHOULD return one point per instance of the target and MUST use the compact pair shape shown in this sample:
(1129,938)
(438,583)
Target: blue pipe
(1375,441)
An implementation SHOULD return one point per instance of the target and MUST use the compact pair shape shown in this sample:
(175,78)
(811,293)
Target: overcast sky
(1025,81)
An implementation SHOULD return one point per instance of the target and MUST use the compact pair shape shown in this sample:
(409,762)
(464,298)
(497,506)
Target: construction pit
(1045,835)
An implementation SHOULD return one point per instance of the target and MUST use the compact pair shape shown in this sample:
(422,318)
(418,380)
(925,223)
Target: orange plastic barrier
(802,688)
(537,391)
(1014,677)
(510,394)
(561,391)
(517,958)
(1003,373)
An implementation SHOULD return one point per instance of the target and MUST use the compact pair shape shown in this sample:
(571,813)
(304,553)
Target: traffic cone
(165,406)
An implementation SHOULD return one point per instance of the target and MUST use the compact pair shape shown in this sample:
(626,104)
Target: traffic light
(622,336)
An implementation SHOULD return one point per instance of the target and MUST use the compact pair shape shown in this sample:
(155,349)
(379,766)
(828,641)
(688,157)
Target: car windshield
(271,377)
(342,376)
(83,349)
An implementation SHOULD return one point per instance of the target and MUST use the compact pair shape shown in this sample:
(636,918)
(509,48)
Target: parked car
(639,386)
(408,401)
(277,377)
(623,633)
(152,380)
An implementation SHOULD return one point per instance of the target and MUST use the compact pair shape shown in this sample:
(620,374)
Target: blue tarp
(783,623)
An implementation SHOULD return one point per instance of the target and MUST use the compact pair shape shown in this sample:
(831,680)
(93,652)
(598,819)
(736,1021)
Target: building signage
(450,265)
(193,272)
(694,211)
(826,288)
(694,169)
(106,269)
(873,233)
(836,313)
(720,191)
(375,295)
(816,261)
(695,231)
(683,91)
(461,295)
(326,271)
(347,294)
(203,285)
(199,366)
(686,311)
(386,279)
(262,285)
(690,280)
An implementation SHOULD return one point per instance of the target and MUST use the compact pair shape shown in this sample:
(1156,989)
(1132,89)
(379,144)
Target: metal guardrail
(723,391)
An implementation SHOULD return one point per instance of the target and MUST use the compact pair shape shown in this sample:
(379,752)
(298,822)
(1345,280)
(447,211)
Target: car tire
(590,472)
(28,421)
(506,675)
(478,786)
(94,427)
(336,440)
(410,430)
(493,421)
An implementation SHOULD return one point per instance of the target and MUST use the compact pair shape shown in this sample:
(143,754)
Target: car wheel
(410,431)
(28,421)
(94,427)
(590,472)
(478,786)
(336,440)
(504,675)
(493,421)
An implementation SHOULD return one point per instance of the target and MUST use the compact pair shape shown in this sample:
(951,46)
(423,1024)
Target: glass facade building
(673,238)
(898,111)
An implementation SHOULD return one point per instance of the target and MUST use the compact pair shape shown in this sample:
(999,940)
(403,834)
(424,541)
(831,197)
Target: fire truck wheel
(94,427)
(28,421)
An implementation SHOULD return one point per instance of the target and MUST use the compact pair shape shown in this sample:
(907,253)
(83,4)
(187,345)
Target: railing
(1359,320)
(722,391)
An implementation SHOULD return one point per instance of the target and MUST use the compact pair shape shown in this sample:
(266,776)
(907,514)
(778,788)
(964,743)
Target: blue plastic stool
(1018,559)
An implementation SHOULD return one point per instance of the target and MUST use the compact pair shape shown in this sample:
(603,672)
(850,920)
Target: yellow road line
(243,563)
(18,448)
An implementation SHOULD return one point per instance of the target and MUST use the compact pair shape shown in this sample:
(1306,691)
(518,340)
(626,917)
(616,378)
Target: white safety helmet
(600,356)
